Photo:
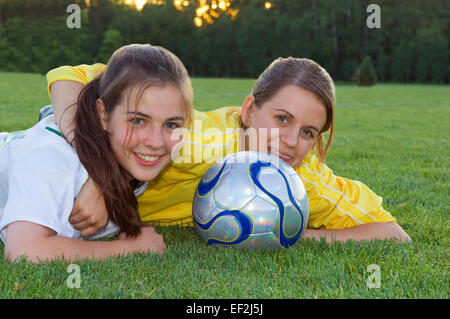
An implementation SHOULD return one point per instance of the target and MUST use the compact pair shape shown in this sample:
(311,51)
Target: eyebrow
(310,127)
(173,118)
(313,128)
(285,112)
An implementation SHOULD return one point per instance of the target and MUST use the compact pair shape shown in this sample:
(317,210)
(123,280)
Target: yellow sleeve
(336,202)
(81,73)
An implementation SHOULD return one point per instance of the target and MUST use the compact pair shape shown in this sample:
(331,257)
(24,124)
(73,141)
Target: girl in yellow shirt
(293,103)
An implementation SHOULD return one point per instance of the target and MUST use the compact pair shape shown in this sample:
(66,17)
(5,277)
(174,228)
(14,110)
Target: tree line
(411,44)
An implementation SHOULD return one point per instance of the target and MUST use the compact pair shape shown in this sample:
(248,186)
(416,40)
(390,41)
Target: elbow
(26,240)
(397,232)
(13,254)
(404,238)
(16,254)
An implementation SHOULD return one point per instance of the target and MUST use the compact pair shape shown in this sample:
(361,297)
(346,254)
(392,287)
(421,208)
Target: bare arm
(37,243)
(64,95)
(367,232)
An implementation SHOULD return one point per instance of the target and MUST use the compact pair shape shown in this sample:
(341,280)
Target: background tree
(365,74)
(240,40)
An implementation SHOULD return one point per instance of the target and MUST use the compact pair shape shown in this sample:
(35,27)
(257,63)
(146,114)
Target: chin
(146,176)
(149,173)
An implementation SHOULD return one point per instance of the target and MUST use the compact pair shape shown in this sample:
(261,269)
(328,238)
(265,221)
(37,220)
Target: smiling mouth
(275,152)
(147,158)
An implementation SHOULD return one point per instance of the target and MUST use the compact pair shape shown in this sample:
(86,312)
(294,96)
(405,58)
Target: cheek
(268,130)
(170,141)
(124,139)
(258,119)
(131,137)
(303,149)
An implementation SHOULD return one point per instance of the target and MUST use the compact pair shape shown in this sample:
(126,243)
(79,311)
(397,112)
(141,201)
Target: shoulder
(214,128)
(211,136)
(83,73)
(92,71)
(43,176)
(311,165)
(44,149)
(221,118)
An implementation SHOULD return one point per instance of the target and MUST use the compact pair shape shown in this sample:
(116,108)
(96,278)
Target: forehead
(299,102)
(155,101)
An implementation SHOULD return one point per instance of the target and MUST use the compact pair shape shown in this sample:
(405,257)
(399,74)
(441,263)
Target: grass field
(395,138)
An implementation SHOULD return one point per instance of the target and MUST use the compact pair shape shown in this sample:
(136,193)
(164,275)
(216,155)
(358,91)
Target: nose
(153,137)
(289,138)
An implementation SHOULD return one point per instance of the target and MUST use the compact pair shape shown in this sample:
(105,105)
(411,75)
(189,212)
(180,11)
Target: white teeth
(275,152)
(284,156)
(147,158)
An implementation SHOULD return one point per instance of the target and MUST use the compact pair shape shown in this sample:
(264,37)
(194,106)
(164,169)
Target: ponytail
(132,66)
(95,153)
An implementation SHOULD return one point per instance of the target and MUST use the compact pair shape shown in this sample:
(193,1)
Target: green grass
(395,138)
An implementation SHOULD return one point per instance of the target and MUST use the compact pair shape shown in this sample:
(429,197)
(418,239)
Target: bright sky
(207,10)
(140,3)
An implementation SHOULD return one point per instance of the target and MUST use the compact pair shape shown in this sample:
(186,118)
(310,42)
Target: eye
(136,121)
(172,125)
(282,119)
(308,132)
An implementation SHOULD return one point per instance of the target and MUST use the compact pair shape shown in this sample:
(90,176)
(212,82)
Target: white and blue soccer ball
(251,200)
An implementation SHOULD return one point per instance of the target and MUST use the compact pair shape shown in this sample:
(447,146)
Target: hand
(148,241)
(89,213)
(365,232)
(315,234)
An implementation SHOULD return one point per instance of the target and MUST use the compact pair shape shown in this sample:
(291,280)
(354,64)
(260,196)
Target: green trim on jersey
(54,131)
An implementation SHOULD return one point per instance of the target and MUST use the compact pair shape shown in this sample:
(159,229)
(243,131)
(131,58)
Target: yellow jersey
(334,202)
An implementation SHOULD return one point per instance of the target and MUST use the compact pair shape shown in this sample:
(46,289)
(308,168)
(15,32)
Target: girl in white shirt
(123,137)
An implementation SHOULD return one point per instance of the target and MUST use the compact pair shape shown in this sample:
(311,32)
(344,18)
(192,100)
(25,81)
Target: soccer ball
(251,200)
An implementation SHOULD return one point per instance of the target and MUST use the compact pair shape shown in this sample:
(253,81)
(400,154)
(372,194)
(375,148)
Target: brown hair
(304,73)
(131,66)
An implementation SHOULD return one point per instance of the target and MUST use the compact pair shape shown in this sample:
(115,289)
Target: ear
(247,109)
(101,113)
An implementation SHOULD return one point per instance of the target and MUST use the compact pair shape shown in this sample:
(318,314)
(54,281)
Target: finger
(76,216)
(84,224)
(88,231)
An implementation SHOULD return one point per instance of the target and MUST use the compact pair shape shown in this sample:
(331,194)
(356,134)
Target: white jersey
(40,177)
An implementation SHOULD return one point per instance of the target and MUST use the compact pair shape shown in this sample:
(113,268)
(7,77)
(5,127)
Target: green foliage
(112,40)
(432,55)
(411,45)
(365,74)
